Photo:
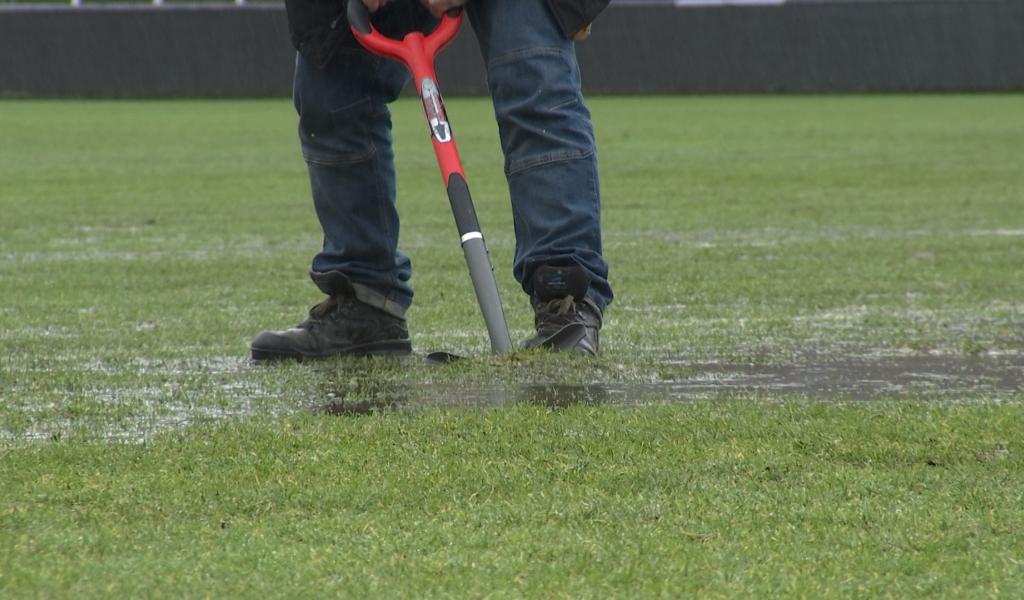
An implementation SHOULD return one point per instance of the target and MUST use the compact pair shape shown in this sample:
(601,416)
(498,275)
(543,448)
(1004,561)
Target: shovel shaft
(478,259)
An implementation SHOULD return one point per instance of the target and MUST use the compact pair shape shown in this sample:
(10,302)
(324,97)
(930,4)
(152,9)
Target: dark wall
(933,45)
(145,52)
(833,46)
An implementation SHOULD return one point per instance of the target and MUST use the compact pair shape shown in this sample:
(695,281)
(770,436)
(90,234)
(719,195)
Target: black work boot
(566,320)
(340,325)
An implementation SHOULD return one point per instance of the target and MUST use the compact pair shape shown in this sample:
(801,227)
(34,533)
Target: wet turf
(818,247)
(811,381)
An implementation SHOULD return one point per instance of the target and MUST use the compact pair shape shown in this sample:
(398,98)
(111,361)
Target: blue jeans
(546,136)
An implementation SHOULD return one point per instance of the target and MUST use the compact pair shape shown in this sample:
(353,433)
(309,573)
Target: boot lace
(554,314)
(320,312)
(559,306)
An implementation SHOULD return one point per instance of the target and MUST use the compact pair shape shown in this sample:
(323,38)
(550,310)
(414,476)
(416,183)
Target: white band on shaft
(472,235)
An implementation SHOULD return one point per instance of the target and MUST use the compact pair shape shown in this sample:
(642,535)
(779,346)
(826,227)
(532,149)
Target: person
(341,93)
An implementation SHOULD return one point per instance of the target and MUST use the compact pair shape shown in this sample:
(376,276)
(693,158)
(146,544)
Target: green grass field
(143,243)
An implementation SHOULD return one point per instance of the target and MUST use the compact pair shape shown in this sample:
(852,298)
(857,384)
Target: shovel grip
(375,41)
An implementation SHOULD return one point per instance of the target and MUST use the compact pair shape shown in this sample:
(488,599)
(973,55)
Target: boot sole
(388,348)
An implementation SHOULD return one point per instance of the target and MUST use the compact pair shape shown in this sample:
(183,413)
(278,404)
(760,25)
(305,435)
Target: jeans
(546,136)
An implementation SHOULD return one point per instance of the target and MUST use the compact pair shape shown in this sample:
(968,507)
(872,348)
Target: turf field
(811,380)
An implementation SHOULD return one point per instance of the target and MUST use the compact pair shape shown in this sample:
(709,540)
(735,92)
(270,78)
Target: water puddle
(866,378)
(930,377)
(229,390)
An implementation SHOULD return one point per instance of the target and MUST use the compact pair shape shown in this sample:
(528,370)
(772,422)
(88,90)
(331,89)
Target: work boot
(565,319)
(340,325)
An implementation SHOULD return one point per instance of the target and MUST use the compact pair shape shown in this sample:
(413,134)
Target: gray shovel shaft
(482,274)
(480,270)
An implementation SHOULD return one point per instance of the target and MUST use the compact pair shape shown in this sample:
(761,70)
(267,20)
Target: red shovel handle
(417,51)
(406,50)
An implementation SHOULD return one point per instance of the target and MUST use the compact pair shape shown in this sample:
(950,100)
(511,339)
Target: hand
(583,33)
(438,7)
(373,5)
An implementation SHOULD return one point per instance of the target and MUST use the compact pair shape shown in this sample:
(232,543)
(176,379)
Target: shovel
(417,51)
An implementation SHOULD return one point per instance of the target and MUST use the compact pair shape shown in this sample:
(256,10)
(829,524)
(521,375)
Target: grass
(143,243)
(719,499)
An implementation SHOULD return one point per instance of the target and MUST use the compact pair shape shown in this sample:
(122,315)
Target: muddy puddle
(861,379)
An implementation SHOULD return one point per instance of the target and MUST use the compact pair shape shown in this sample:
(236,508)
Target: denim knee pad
(539,107)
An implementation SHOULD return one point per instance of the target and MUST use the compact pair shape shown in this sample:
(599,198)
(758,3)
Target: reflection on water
(828,379)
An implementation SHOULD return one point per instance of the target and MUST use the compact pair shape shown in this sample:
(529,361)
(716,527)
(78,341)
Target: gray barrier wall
(929,45)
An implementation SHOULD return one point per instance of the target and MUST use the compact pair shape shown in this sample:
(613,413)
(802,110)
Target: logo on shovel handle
(434,107)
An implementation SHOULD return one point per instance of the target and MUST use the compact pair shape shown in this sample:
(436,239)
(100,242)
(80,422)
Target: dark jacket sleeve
(317,27)
(573,15)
